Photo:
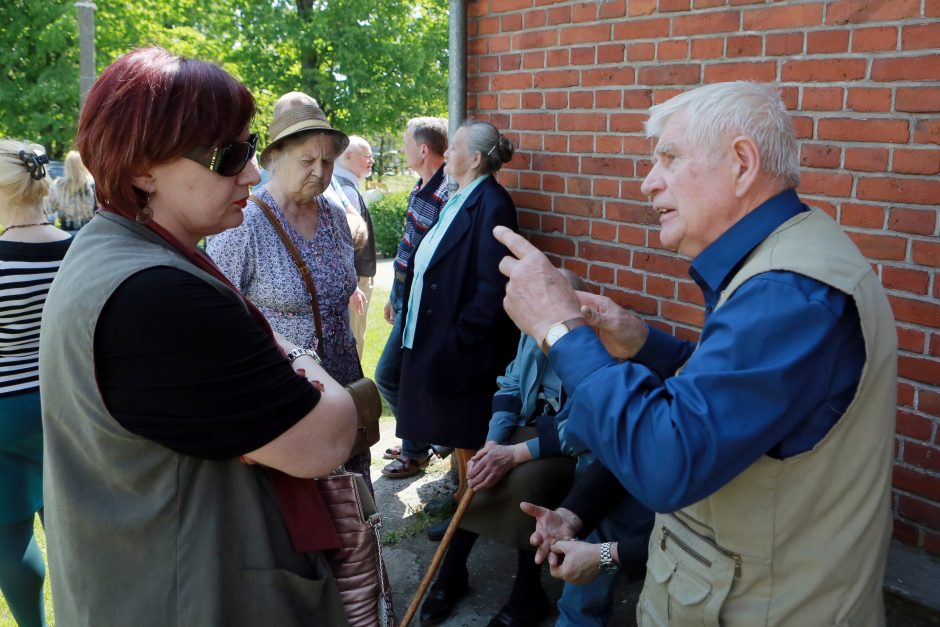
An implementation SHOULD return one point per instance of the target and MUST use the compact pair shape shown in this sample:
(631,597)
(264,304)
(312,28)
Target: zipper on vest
(685,547)
(690,551)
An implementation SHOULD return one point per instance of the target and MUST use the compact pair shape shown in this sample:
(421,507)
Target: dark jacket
(463,339)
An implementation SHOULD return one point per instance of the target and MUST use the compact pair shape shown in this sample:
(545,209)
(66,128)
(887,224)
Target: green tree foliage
(371,64)
(39,72)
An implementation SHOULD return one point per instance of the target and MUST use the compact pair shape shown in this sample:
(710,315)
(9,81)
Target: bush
(388,221)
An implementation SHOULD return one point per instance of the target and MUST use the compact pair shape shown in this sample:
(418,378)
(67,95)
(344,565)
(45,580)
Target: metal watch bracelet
(607,563)
(300,352)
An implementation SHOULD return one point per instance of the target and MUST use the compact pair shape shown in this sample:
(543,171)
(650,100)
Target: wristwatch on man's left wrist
(558,330)
(607,563)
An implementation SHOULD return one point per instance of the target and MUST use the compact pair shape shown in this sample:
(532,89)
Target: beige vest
(139,534)
(800,541)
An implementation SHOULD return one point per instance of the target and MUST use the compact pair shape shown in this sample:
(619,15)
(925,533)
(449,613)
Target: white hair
(355,142)
(719,112)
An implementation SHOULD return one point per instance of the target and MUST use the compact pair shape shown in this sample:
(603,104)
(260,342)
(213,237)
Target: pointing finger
(531,509)
(516,244)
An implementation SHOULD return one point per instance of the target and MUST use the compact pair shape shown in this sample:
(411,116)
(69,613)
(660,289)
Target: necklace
(23,226)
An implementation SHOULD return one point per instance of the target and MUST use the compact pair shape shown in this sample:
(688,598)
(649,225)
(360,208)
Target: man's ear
(746,164)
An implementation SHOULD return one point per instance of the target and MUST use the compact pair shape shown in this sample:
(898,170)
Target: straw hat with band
(299,120)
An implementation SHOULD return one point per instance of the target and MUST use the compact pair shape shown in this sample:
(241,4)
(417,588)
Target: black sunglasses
(228,160)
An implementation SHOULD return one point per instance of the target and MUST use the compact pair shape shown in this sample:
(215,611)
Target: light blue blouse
(425,253)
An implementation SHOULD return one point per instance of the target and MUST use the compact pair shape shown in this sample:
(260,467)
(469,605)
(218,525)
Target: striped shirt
(26,271)
(424,206)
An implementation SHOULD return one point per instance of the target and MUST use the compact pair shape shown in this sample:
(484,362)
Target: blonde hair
(720,111)
(21,195)
(77,177)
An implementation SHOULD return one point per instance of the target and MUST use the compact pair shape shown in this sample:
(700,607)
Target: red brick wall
(570,83)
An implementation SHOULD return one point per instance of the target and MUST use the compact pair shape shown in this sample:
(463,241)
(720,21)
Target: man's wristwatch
(300,352)
(558,330)
(607,563)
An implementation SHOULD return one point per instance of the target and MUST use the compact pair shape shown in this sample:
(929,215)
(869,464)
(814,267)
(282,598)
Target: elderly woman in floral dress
(300,158)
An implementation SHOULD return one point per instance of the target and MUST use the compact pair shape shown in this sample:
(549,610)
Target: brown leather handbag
(364,392)
(357,565)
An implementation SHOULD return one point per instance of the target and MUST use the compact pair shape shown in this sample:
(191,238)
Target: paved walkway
(384,275)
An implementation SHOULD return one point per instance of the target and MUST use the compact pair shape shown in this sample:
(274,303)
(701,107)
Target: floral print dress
(253,257)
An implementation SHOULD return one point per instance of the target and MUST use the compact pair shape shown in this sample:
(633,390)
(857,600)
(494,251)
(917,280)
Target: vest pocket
(688,577)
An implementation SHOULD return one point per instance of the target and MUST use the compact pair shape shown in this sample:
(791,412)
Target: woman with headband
(31,250)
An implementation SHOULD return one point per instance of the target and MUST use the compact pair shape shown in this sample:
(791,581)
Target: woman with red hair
(174,417)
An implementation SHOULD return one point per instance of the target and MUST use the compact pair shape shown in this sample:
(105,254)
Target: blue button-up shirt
(776,366)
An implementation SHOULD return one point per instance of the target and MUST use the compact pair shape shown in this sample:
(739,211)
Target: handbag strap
(302,267)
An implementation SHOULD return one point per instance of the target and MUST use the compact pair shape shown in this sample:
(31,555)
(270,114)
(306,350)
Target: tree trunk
(309,55)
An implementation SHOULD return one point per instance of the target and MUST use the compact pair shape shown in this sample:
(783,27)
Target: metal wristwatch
(607,564)
(300,352)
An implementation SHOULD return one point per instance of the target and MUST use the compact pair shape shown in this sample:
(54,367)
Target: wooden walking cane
(436,562)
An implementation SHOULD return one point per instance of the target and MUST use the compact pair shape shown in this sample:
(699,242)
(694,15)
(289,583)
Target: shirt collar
(715,265)
(431,188)
(464,192)
(342,172)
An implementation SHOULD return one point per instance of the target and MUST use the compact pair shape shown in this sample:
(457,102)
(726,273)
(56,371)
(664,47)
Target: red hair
(150,107)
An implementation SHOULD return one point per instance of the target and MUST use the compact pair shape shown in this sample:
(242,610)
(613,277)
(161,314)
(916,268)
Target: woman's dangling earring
(145,215)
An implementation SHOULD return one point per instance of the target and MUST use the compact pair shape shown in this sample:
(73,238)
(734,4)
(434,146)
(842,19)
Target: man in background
(424,144)
(353,167)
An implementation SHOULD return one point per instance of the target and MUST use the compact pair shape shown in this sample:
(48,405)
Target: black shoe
(442,598)
(437,530)
(531,615)
(441,451)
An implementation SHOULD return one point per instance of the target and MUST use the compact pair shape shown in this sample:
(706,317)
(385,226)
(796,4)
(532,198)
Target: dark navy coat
(463,339)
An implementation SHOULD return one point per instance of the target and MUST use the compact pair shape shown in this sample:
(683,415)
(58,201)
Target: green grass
(415,521)
(397,183)
(377,331)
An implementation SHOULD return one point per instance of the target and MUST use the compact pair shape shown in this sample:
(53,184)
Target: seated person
(526,446)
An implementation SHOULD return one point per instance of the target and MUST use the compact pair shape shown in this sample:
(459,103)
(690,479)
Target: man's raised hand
(537,296)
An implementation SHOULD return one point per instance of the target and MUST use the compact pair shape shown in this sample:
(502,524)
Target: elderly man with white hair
(766,446)
(351,169)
